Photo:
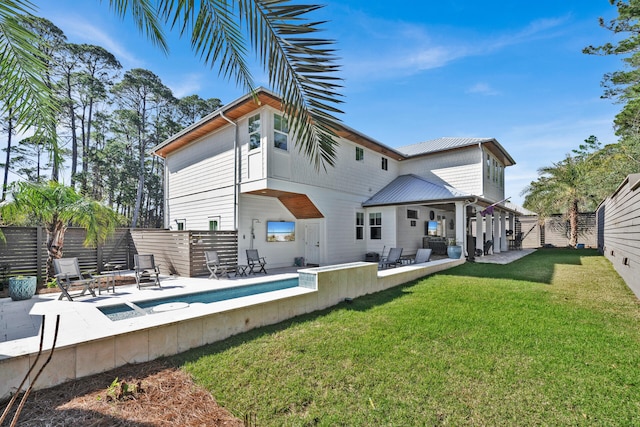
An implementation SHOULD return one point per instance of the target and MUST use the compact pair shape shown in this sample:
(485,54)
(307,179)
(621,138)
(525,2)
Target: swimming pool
(130,310)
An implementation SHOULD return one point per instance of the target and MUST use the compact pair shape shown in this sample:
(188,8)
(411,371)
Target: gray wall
(619,231)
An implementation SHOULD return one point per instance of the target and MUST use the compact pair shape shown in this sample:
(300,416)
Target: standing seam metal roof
(440,144)
(411,189)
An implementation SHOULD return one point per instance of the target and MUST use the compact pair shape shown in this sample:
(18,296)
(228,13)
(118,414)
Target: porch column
(496,233)
(479,230)
(460,228)
(503,232)
(489,220)
(512,223)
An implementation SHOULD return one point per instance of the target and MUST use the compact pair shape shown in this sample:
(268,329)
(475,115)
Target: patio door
(312,243)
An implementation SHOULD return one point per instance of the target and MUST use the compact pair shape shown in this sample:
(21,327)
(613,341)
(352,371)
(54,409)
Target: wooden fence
(619,230)
(24,250)
(555,231)
(182,252)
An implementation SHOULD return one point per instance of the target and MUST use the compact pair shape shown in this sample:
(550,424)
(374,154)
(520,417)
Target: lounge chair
(423,255)
(146,270)
(255,261)
(213,265)
(392,260)
(68,274)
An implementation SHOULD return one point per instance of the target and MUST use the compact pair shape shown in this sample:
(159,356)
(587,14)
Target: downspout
(236,182)
(482,165)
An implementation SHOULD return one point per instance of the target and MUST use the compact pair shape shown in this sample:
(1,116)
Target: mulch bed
(155,394)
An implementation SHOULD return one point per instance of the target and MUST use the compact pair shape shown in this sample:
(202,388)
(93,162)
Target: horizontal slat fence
(24,250)
(619,230)
(182,252)
(177,252)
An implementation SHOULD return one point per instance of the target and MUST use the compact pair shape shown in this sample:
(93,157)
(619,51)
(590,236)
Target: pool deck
(20,321)
(89,342)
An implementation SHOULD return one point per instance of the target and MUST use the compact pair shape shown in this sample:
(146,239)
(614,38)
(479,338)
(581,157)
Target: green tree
(623,85)
(300,65)
(56,206)
(565,188)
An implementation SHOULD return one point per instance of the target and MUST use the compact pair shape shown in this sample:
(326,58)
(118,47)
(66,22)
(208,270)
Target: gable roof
(455,143)
(407,189)
(244,105)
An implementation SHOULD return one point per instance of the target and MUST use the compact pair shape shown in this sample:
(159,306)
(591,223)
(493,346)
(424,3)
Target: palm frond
(215,35)
(23,90)
(302,68)
(145,16)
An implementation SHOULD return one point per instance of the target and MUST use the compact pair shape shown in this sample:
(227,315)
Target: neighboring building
(238,169)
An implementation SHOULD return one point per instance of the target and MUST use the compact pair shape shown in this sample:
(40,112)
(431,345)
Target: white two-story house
(239,169)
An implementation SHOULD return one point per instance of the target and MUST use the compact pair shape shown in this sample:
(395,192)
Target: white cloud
(188,84)
(406,49)
(80,31)
(483,89)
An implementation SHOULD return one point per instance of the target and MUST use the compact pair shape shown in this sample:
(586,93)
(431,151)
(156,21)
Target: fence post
(39,244)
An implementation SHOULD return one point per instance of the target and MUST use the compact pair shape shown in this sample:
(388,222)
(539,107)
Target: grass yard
(551,339)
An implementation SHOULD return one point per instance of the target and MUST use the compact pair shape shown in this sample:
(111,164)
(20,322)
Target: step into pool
(130,310)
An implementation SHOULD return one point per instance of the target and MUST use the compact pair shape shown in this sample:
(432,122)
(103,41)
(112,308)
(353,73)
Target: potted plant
(453,249)
(22,287)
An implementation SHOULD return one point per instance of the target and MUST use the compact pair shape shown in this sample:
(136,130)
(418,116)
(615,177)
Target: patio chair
(392,259)
(423,255)
(213,265)
(68,274)
(255,261)
(146,271)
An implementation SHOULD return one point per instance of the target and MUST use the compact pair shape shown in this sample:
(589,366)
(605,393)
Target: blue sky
(419,70)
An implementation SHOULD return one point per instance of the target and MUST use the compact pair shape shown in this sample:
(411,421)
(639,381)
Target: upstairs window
(254,132)
(213,225)
(359,154)
(280,132)
(412,214)
(385,164)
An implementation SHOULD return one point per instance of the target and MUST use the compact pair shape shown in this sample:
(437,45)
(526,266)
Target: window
(213,225)
(412,214)
(488,166)
(254,132)
(280,132)
(385,164)
(359,225)
(180,225)
(359,154)
(375,226)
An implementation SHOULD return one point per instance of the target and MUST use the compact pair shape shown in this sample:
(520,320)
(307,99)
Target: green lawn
(551,339)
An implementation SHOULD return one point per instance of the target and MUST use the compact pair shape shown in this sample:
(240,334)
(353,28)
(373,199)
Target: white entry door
(312,244)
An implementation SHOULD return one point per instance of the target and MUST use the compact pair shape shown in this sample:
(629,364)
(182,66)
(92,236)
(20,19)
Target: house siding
(461,169)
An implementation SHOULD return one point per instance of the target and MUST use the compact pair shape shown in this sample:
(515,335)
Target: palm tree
(561,188)
(57,206)
(300,66)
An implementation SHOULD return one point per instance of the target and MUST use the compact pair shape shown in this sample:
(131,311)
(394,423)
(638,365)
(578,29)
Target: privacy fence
(24,251)
(554,231)
(618,219)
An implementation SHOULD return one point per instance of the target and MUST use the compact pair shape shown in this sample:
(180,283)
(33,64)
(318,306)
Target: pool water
(142,308)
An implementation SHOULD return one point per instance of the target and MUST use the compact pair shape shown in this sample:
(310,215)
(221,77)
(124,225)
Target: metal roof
(441,144)
(411,188)
(452,143)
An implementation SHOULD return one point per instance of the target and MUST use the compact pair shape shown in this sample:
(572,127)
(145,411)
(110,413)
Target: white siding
(492,190)
(461,169)
(200,180)
(410,238)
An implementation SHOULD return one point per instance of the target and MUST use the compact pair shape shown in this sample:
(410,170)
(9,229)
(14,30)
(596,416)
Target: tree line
(107,122)
(592,172)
